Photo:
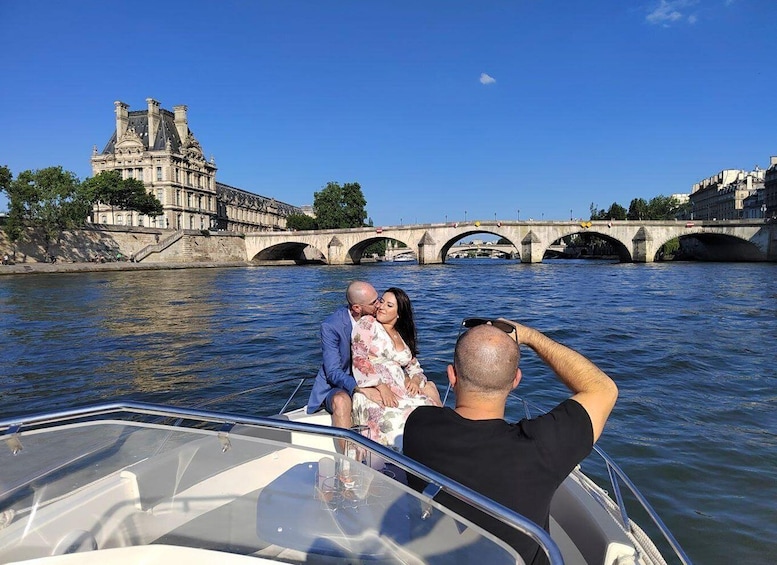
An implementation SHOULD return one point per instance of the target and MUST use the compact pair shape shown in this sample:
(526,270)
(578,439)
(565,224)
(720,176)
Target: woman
(384,357)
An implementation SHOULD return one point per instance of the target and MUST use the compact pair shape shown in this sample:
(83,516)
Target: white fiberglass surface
(111,484)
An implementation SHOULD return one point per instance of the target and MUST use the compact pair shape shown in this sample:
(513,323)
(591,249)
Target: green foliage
(616,212)
(50,200)
(658,208)
(300,222)
(127,194)
(338,206)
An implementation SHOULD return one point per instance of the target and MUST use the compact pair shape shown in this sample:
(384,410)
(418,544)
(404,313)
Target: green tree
(354,205)
(49,200)
(126,194)
(300,222)
(637,209)
(338,206)
(661,208)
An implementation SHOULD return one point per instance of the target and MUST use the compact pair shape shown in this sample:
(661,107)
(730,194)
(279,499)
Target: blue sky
(434,107)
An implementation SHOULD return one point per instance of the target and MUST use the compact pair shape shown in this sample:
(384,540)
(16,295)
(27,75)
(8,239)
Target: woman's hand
(387,396)
(413,385)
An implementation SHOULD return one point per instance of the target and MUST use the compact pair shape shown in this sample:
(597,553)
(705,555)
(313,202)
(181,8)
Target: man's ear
(452,378)
(517,378)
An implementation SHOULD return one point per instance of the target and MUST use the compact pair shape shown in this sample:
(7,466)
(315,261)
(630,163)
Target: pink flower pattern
(376,361)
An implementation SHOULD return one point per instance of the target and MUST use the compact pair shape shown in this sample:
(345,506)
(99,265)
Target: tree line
(52,200)
(335,207)
(657,208)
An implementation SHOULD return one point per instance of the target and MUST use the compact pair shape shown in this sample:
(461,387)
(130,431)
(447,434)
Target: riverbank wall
(109,244)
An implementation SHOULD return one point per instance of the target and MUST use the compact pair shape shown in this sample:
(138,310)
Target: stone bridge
(634,241)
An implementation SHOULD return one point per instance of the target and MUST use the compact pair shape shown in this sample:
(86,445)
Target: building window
(103,219)
(210,203)
(129,219)
(202,223)
(191,222)
(120,220)
(199,202)
(129,173)
(188,199)
(188,179)
(140,220)
(177,175)
(160,195)
(159,173)
(139,176)
(178,196)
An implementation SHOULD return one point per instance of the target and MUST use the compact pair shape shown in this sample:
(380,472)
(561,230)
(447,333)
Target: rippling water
(691,346)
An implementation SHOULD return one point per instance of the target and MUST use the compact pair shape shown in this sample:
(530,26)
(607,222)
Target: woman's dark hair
(405,324)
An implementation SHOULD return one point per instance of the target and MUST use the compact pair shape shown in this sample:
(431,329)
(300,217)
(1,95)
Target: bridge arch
(446,247)
(623,252)
(356,252)
(297,251)
(711,246)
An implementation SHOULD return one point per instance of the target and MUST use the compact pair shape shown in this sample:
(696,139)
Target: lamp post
(494,216)
(465,215)
(570,214)
(519,214)
(400,221)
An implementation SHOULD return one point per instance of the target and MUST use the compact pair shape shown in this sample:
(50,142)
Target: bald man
(334,385)
(518,465)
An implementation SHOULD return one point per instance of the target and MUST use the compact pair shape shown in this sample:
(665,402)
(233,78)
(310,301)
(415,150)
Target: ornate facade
(722,196)
(157,147)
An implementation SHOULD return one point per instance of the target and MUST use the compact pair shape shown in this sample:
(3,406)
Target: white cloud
(486,79)
(669,12)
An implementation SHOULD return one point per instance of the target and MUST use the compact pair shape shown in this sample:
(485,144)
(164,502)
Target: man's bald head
(360,292)
(486,360)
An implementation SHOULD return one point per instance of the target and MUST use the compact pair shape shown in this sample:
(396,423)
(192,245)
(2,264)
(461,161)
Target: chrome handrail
(615,474)
(18,426)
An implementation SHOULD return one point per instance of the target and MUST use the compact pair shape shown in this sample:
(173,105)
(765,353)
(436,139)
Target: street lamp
(400,221)
(519,214)
(570,214)
(465,215)
(494,216)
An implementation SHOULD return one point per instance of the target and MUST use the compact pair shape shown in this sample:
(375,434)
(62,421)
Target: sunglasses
(509,329)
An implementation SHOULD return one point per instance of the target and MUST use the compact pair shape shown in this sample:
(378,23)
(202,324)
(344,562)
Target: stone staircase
(158,247)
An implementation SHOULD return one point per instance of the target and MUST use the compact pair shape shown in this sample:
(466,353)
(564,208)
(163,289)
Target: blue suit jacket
(335,371)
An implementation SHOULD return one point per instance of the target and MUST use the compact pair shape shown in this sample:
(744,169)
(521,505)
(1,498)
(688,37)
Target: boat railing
(12,432)
(617,478)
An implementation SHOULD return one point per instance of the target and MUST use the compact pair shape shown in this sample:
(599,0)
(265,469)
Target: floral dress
(375,361)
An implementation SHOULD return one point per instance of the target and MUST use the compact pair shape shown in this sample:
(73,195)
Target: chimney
(180,122)
(122,118)
(153,121)
(772,161)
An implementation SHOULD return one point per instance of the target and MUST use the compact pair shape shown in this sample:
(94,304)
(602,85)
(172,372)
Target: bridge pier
(335,252)
(642,247)
(428,251)
(532,249)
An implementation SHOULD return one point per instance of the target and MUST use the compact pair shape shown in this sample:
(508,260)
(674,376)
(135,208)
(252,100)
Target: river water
(691,346)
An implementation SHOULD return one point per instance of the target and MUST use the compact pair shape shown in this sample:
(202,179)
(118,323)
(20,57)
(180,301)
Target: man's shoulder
(336,318)
(423,415)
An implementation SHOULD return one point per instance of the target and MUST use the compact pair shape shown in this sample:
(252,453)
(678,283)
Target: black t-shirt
(518,465)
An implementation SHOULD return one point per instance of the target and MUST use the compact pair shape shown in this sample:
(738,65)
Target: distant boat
(403,258)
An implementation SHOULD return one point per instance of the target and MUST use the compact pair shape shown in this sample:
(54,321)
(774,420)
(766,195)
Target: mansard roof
(235,195)
(138,120)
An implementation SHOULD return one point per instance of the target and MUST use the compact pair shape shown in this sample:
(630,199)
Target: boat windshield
(111,482)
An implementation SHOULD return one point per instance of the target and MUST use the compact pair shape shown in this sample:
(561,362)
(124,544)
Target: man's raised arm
(591,386)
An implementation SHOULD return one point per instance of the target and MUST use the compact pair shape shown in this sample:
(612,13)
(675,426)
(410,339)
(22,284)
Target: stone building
(722,196)
(770,190)
(157,147)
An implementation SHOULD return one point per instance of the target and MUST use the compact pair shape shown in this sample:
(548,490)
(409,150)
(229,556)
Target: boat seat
(588,526)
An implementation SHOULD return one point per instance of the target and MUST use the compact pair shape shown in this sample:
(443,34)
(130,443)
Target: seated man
(518,465)
(334,385)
